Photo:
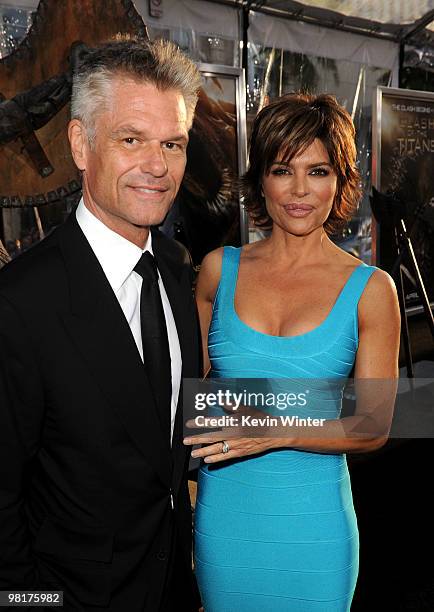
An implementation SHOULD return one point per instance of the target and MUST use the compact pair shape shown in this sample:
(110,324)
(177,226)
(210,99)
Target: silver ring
(225,447)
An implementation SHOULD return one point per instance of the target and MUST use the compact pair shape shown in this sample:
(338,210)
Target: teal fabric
(277,531)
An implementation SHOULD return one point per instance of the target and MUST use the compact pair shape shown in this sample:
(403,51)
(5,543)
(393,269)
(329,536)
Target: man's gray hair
(160,63)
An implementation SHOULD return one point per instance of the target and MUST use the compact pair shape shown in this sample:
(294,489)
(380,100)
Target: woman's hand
(240,444)
(238,447)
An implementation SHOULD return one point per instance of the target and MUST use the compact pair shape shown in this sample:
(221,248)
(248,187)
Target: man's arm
(21,413)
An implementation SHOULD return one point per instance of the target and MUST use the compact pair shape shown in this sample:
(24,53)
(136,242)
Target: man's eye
(172,146)
(130,140)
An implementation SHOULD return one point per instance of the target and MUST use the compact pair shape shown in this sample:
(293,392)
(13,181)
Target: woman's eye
(312,172)
(320,172)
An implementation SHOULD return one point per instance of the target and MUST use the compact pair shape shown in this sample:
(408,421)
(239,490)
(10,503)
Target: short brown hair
(160,63)
(285,128)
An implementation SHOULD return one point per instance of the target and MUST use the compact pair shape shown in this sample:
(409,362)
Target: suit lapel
(176,281)
(101,333)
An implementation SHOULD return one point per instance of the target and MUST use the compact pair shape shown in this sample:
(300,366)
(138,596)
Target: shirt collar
(116,255)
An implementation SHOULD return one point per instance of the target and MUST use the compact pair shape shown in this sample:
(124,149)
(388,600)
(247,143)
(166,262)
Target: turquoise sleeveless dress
(277,532)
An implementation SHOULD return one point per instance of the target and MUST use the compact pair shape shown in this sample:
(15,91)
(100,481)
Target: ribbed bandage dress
(277,532)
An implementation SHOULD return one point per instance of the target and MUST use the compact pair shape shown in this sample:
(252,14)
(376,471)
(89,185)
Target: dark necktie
(156,354)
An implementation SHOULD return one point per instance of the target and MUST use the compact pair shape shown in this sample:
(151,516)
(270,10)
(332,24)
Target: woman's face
(299,195)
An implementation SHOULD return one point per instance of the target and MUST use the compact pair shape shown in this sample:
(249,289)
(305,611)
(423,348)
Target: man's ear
(79,143)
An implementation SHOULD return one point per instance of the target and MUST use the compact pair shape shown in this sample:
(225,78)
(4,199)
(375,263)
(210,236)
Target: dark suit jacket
(85,471)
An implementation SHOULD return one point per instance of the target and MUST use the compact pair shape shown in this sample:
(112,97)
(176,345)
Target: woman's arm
(376,373)
(206,287)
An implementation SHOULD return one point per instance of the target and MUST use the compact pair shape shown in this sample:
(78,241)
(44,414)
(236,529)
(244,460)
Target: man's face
(135,167)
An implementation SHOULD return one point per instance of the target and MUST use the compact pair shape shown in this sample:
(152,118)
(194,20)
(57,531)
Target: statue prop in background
(39,181)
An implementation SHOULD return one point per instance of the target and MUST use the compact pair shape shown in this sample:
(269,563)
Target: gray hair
(160,63)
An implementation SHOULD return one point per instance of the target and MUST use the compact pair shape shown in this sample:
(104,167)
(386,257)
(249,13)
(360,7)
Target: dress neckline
(313,331)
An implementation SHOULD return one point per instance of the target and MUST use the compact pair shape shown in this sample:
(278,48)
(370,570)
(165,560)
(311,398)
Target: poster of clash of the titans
(403,134)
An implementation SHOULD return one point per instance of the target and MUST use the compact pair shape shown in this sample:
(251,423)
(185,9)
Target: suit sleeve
(21,415)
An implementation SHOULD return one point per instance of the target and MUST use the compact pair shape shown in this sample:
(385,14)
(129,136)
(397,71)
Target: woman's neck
(292,250)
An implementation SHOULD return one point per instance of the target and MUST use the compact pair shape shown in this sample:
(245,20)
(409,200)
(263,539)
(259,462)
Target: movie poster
(207,212)
(404,166)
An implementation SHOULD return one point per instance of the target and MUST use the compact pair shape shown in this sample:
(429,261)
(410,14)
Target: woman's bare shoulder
(380,284)
(379,300)
(212,262)
(379,288)
(209,275)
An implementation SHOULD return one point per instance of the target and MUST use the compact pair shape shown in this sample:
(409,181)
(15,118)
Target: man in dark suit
(93,344)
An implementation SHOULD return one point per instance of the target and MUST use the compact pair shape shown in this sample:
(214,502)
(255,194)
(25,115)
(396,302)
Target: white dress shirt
(118,257)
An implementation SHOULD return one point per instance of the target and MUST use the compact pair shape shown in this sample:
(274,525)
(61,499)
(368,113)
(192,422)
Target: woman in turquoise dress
(275,528)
